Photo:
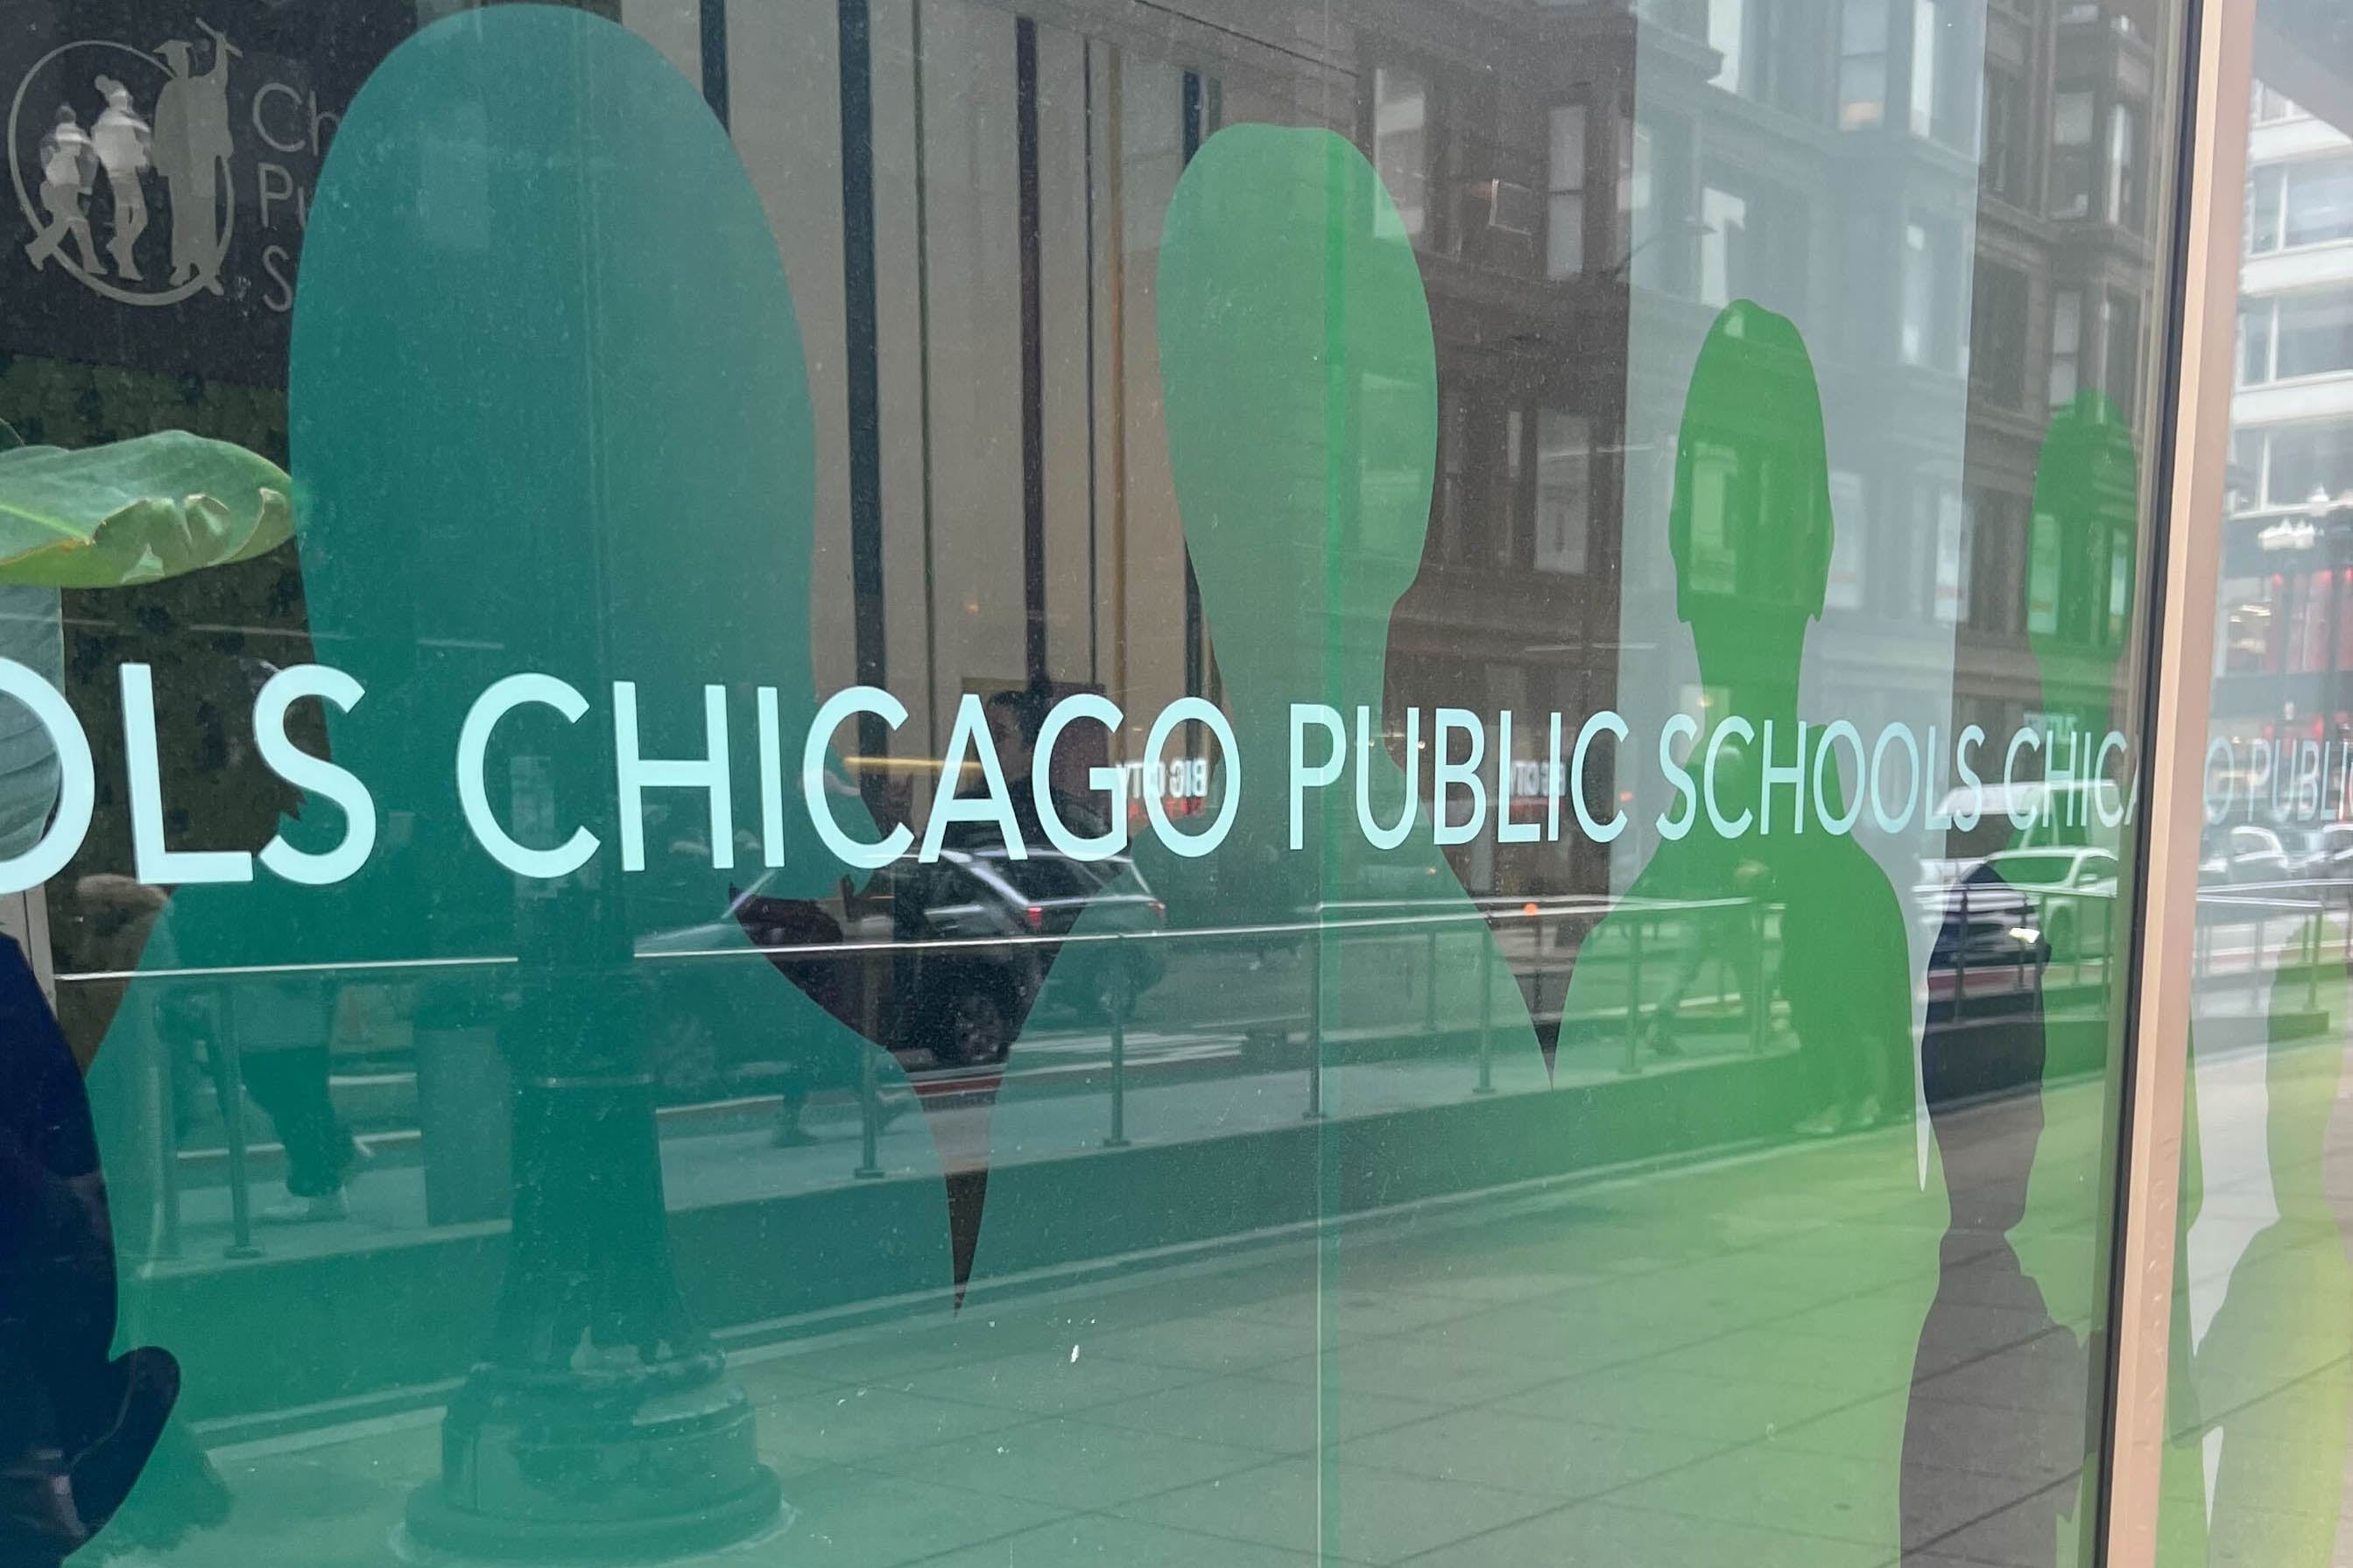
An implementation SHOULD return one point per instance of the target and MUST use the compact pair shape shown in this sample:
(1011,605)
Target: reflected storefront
(927,781)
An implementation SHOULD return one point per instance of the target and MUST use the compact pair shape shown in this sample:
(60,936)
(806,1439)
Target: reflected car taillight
(1035,917)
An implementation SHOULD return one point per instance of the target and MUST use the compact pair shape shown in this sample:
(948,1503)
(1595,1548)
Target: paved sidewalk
(1713,1366)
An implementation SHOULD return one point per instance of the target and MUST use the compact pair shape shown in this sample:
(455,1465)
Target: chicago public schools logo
(99,117)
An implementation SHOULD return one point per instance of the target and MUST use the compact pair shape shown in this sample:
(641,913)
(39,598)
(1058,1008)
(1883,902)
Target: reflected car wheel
(976,1030)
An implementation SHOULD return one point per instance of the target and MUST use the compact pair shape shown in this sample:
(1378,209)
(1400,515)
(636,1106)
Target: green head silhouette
(1750,529)
(1301,388)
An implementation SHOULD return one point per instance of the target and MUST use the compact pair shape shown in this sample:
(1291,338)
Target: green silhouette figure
(1299,379)
(1750,532)
(550,416)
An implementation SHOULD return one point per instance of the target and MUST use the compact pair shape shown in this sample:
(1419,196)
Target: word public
(1902,775)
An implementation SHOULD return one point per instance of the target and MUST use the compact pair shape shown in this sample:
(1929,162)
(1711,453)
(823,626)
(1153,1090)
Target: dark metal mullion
(1194,652)
(1033,369)
(923,381)
(861,371)
(715,58)
(1094,577)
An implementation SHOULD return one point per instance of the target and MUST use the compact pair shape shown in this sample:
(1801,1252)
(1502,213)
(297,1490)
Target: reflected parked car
(2072,890)
(1981,923)
(2245,853)
(2324,853)
(939,962)
(969,999)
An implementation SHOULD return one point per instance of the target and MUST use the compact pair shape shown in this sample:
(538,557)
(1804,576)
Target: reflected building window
(1401,142)
(1998,334)
(1850,540)
(2071,154)
(1564,489)
(1724,245)
(2124,201)
(1863,63)
(2290,337)
(1926,332)
(2299,464)
(1943,68)
(2307,202)
(2002,138)
(1565,193)
(1726,22)
(2067,346)
(1938,508)
(2272,107)
(1996,534)
(2120,325)
(2044,563)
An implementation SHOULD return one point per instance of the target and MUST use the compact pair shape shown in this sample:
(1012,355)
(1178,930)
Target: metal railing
(1686,933)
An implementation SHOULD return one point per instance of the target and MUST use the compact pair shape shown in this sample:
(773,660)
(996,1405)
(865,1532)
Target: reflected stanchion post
(2312,960)
(869,1119)
(159,1083)
(1429,995)
(1635,925)
(2042,911)
(2108,935)
(1961,958)
(1316,1021)
(1759,1004)
(232,1071)
(1487,1084)
(1116,992)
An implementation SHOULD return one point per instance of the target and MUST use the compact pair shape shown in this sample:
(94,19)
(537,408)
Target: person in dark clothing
(77,1425)
(1981,1076)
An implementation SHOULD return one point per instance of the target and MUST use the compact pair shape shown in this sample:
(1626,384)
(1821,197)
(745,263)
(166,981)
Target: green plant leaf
(136,511)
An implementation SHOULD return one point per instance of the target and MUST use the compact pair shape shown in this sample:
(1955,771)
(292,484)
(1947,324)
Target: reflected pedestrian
(125,148)
(69,170)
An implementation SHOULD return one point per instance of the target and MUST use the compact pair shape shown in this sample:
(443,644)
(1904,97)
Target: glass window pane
(1310,782)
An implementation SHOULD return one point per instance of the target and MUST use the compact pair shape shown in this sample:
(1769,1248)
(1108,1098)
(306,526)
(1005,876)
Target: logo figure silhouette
(192,148)
(641,510)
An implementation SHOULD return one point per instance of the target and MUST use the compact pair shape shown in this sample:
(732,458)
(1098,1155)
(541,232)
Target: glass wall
(926,781)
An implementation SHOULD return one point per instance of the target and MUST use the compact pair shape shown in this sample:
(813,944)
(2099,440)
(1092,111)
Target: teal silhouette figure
(550,415)
(1299,377)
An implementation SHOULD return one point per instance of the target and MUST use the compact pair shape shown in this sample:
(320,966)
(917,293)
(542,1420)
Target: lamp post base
(548,1473)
